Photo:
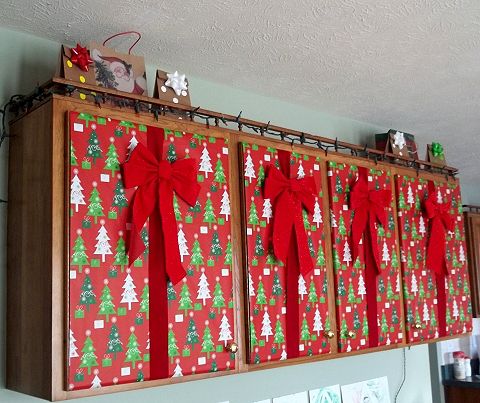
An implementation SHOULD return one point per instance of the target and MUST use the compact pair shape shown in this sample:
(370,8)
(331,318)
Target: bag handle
(125,33)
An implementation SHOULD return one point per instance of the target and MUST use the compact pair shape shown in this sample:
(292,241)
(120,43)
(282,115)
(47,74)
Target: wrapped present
(284,317)
(79,313)
(434,262)
(120,283)
(86,164)
(79,377)
(172,87)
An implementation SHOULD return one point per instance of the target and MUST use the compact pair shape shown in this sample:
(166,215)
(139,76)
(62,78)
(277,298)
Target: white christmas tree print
(251,289)
(266,325)
(426,315)
(225,206)
(148,342)
(129,295)
(267,210)
(203,291)
(397,283)
(177,372)
(439,197)
(249,168)
(102,246)
(414,285)
(333,220)
(76,195)
(283,356)
(349,347)
(403,258)
(347,256)
(388,342)
(385,254)
(302,287)
(361,286)
(461,254)
(225,332)
(182,243)
(300,171)
(421,226)
(317,213)
(96,382)
(205,161)
(132,143)
(410,199)
(455,309)
(72,350)
(317,322)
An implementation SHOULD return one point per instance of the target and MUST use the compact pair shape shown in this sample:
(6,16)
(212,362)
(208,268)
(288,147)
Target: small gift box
(112,214)
(138,263)
(95,263)
(112,272)
(107,361)
(79,312)
(186,352)
(188,219)
(86,164)
(139,319)
(79,377)
(86,223)
(121,311)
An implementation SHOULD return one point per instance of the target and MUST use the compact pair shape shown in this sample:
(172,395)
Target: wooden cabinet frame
(37,247)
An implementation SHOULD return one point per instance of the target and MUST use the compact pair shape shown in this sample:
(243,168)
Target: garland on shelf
(20,104)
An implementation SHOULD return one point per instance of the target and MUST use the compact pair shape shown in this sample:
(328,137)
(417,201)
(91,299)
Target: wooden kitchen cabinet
(471,216)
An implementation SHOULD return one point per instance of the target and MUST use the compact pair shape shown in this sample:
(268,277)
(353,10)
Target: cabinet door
(422,302)
(110,303)
(354,327)
(472,232)
(267,277)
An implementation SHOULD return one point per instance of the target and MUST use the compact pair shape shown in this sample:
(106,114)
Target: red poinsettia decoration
(81,57)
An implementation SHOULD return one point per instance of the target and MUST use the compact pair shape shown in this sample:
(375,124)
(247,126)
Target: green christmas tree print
(89,359)
(253,215)
(79,256)
(228,254)
(253,336)
(216,249)
(259,250)
(93,149)
(320,256)
(276,287)
(395,319)
(192,334)
(107,307)
(195,209)
(95,208)
(171,154)
(336,260)
(171,294)
(145,302)
(119,199)
(365,326)
(390,293)
(208,345)
(356,319)
(196,258)
(384,324)
(278,337)
(260,176)
(114,344)
(73,158)
(343,329)
(120,258)
(111,163)
(209,213)
(172,345)
(261,297)
(133,353)
(87,296)
(433,319)
(351,294)
(338,185)
(185,302)
(304,331)
(312,292)
(176,208)
(341,287)
(342,230)
(218,299)
(219,175)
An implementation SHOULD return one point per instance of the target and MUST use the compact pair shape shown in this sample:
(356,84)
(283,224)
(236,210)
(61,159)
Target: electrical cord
(404,376)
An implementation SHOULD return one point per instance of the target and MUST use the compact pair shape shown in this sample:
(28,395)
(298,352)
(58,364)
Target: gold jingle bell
(330,334)
(232,347)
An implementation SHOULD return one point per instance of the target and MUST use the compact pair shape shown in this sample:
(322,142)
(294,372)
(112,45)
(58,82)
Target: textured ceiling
(410,64)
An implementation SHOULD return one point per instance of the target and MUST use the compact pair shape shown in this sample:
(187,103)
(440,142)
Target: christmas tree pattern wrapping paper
(266,274)
(419,282)
(350,277)
(109,301)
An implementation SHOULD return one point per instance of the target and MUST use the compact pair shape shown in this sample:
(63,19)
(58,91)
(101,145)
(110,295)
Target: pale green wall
(26,60)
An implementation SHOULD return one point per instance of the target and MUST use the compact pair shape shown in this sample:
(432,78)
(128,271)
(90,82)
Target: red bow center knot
(289,196)
(156,182)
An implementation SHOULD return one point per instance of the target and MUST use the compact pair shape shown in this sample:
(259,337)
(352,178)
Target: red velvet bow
(440,222)
(81,57)
(156,181)
(288,196)
(369,206)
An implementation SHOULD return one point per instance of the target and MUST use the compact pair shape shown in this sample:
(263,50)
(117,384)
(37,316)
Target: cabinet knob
(330,334)
(417,326)
(232,347)
(350,334)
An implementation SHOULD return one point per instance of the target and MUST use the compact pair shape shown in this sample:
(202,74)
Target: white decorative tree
(455,309)
(283,356)
(225,206)
(403,258)
(72,350)
(177,372)
(102,246)
(426,314)
(266,325)
(76,195)
(132,144)
(249,168)
(317,213)
(414,285)
(349,347)
(461,254)
(129,295)
(205,164)
(203,291)
(421,226)
(317,322)
(385,254)
(347,256)
(148,342)
(300,171)
(333,220)
(397,283)
(439,197)
(302,287)
(251,288)
(96,382)
(410,198)
(388,342)
(267,210)
(361,286)
(182,243)
(225,332)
